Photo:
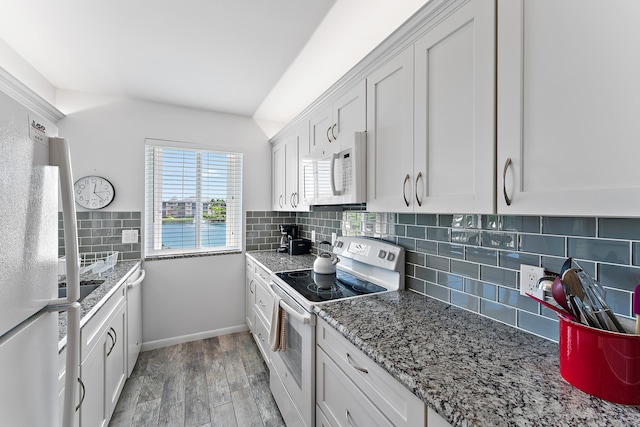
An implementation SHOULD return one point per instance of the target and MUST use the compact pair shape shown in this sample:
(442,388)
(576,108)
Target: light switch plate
(129,236)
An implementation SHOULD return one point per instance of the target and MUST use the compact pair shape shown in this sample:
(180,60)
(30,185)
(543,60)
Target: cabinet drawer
(264,302)
(342,403)
(261,336)
(91,332)
(261,274)
(398,404)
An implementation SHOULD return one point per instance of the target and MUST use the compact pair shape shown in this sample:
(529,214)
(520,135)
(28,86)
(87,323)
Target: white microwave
(337,178)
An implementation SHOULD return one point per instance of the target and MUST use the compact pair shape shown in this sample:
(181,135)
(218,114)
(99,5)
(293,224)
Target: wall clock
(93,192)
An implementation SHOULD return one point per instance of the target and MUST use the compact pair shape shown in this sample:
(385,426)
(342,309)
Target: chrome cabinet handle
(404,186)
(261,304)
(418,179)
(84,392)
(350,361)
(250,283)
(504,184)
(332,131)
(328,136)
(291,200)
(280,200)
(349,419)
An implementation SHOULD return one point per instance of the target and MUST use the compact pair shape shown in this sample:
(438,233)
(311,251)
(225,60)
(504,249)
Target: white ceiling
(259,58)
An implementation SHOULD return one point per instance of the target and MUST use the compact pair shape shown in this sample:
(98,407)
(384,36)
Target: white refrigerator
(35,173)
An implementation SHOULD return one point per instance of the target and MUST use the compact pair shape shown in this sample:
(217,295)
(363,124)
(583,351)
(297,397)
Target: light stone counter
(277,262)
(92,303)
(471,370)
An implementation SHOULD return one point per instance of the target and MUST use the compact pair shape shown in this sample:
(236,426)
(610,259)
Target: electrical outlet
(529,276)
(313,235)
(334,236)
(129,236)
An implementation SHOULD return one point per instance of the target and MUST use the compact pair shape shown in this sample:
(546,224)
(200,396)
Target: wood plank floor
(220,381)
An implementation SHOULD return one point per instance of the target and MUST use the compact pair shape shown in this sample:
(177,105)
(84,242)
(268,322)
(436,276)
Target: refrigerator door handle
(59,155)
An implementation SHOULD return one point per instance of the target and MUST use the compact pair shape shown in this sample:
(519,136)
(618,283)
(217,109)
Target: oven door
(293,370)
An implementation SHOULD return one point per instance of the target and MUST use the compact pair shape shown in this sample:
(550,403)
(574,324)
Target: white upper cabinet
(454,147)
(431,129)
(568,107)
(286,156)
(390,135)
(347,113)
(278,177)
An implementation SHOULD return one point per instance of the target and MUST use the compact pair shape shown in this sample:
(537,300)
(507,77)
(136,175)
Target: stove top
(326,287)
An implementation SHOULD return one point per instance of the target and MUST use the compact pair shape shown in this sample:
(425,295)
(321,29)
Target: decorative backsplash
(473,261)
(101,231)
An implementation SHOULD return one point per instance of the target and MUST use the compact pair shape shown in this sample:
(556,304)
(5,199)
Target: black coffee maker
(287,232)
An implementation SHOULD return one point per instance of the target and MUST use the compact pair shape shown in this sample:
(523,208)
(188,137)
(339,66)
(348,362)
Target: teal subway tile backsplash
(619,228)
(569,226)
(473,261)
(101,231)
(612,251)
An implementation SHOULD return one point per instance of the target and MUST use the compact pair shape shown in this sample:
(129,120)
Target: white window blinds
(193,200)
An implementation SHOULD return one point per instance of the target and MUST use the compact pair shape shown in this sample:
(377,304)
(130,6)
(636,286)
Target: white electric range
(366,266)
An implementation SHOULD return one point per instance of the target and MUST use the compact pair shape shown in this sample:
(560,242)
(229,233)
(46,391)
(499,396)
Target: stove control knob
(391,256)
(382,254)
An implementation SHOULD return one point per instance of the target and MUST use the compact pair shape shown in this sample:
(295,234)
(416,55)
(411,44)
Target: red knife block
(602,363)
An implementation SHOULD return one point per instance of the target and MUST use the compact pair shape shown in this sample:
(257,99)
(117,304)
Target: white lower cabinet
(250,293)
(258,306)
(62,368)
(103,367)
(351,389)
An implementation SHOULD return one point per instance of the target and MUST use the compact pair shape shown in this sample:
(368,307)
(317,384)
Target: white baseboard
(152,345)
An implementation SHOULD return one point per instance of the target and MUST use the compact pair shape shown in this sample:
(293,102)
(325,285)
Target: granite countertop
(92,303)
(471,370)
(277,262)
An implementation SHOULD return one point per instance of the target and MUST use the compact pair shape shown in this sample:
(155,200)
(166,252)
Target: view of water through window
(177,235)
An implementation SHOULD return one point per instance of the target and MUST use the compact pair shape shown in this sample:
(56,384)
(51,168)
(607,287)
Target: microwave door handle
(334,157)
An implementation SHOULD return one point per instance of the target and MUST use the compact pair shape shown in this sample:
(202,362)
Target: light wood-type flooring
(220,381)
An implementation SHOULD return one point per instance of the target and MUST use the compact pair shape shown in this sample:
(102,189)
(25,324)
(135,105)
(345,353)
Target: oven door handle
(304,318)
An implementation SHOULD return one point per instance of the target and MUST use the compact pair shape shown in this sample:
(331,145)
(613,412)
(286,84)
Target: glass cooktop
(326,287)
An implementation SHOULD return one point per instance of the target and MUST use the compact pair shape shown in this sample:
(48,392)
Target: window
(193,199)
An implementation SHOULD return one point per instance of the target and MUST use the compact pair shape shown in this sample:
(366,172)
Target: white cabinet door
(350,111)
(290,172)
(390,135)
(320,124)
(93,411)
(296,146)
(454,163)
(278,177)
(116,359)
(250,294)
(568,107)
(347,112)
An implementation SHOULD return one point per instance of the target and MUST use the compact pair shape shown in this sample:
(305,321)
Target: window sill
(191,255)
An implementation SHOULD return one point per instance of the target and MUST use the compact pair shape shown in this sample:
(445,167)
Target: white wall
(188,298)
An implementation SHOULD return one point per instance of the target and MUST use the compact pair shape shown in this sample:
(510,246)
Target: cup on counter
(602,363)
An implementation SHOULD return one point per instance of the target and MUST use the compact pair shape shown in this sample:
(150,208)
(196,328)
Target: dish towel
(277,338)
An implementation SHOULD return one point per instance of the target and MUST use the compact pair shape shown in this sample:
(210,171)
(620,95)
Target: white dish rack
(98,262)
